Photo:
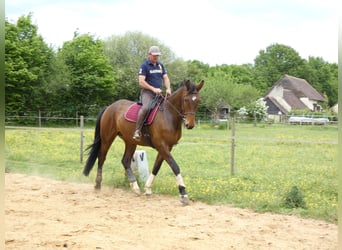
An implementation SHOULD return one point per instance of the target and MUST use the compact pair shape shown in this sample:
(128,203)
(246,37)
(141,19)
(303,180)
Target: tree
(242,74)
(128,51)
(197,70)
(274,62)
(177,71)
(323,77)
(92,80)
(57,90)
(27,65)
(256,110)
(221,90)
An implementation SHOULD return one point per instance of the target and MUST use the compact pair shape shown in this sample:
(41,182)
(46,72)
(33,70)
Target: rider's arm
(143,84)
(166,81)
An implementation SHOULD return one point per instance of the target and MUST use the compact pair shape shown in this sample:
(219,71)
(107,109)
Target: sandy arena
(47,214)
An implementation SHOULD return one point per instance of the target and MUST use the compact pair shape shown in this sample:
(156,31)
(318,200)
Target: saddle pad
(132,113)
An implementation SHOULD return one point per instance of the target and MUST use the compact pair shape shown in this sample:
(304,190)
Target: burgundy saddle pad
(132,113)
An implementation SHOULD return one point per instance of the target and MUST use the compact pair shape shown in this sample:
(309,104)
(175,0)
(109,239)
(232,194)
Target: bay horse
(164,133)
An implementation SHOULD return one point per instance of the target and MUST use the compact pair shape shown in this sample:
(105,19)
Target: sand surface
(42,213)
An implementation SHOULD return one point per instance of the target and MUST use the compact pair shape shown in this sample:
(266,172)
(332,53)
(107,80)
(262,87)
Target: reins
(172,106)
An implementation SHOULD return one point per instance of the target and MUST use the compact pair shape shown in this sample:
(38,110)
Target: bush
(295,198)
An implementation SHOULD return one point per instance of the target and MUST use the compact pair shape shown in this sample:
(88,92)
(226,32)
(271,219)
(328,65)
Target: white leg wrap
(179,180)
(135,187)
(148,191)
(148,184)
(149,181)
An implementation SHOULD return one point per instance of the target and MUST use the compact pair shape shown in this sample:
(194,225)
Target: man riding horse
(164,130)
(152,73)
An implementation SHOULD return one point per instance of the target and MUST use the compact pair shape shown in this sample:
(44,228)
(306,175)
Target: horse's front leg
(155,170)
(165,154)
(181,186)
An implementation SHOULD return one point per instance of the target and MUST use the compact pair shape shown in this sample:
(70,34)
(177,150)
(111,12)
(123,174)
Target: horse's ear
(200,85)
(187,84)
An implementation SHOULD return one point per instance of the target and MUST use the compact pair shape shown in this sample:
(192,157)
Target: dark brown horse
(164,133)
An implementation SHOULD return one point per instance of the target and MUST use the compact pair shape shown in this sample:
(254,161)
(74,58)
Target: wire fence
(47,119)
(58,119)
(55,119)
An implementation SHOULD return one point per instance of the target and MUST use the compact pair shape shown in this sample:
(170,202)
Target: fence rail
(42,119)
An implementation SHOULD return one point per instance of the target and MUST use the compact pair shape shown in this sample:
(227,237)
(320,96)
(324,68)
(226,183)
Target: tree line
(87,73)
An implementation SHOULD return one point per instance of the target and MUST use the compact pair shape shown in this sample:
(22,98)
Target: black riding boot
(140,122)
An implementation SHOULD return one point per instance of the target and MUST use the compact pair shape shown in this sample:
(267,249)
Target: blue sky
(211,31)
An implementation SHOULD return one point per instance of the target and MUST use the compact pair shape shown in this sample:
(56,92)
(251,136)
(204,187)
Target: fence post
(232,153)
(81,144)
(39,119)
(255,118)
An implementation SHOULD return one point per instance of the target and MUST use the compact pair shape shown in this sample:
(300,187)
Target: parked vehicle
(308,120)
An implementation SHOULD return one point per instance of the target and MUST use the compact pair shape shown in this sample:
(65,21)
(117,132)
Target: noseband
(188,113)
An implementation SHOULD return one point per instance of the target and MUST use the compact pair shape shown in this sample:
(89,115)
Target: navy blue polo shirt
(153,74)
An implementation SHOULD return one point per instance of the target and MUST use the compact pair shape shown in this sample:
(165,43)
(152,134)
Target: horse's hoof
(148,191)
(185,200)
(137,192)
(135,188)
(148,195)
(97,187)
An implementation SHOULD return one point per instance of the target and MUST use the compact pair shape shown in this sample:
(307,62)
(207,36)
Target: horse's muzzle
(189,125)
(189,119)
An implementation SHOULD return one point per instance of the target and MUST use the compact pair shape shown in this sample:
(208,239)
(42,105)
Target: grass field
(278,168)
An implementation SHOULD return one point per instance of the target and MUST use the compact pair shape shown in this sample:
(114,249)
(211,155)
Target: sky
(214,32)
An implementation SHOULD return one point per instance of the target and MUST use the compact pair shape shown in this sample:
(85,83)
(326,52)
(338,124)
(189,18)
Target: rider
(152,73)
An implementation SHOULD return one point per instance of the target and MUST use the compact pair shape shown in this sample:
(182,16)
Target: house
(291,93)
(224,112)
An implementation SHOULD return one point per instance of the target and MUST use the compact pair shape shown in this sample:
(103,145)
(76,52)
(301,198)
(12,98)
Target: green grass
(269,162)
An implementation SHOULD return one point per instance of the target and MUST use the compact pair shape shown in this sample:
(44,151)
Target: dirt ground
(47,214)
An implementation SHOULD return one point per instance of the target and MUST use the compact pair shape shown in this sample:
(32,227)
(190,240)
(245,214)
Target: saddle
(131,114)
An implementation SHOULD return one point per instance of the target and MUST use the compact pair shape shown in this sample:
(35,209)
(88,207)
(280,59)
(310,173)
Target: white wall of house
(335,108)
(275,118)
(309,103)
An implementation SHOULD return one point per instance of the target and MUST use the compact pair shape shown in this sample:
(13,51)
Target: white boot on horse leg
(135,187)
(148,185)
(132,180)
(184,197)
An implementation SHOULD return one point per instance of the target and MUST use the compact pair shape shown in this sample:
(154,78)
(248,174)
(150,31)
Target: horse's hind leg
(126,162)
(101,158)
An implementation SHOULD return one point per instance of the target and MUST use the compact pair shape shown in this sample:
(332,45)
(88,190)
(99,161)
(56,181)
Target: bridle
(181,114)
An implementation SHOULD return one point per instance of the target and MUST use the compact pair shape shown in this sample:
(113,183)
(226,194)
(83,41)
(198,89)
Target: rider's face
(153,58)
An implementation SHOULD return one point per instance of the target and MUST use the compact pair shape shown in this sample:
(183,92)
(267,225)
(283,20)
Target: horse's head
(190,103)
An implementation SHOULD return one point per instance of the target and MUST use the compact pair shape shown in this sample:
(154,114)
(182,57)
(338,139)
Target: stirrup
(137,135)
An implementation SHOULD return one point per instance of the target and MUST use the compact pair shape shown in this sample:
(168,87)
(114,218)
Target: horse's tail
(95,147)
